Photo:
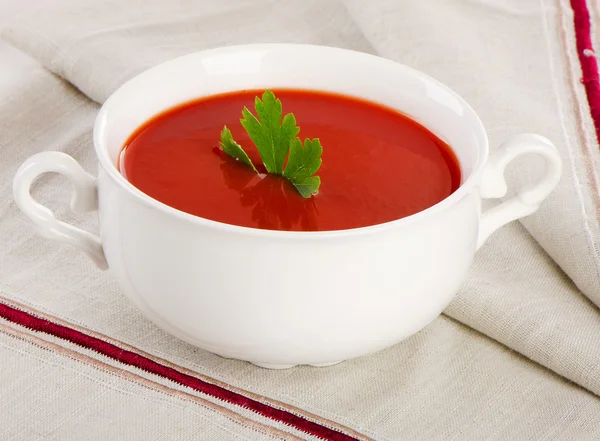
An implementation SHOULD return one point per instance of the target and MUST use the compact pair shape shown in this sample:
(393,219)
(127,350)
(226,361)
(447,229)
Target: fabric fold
(97,46)
(99,392)
(517,64)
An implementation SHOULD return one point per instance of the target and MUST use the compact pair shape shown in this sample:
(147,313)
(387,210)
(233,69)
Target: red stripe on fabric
(34,323)
(587,59)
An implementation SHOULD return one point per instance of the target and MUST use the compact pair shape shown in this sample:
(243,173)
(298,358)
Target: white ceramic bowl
(279,298)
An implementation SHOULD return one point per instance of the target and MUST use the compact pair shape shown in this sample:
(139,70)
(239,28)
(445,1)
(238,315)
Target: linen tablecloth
(516,355)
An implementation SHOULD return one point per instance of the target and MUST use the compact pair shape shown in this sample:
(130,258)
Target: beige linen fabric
(514,61)
(447,381)
(61,395)
(98,45)
(84,52)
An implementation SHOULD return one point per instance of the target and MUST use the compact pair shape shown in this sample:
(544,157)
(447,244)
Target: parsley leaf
(233,149)
(271,135)
(276,140)
(302,164)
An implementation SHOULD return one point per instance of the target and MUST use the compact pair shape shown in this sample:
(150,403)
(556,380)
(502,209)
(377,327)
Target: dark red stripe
(131,358)
(589,65)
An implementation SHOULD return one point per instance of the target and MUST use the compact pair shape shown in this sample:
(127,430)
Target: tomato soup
(378,164)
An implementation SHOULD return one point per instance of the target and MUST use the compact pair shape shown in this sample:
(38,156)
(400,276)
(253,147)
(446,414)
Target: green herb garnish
(302,164)
(233,149)
(276,140)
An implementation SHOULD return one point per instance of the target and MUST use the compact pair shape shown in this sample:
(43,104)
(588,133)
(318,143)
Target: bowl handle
(528,199)
(84,199)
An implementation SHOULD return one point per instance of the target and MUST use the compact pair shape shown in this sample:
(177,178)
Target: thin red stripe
(131,358)
(587,59)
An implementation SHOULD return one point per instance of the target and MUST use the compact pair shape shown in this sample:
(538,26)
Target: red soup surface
(378,165)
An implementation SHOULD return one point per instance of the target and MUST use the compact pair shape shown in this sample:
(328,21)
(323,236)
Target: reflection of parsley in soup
(377,164)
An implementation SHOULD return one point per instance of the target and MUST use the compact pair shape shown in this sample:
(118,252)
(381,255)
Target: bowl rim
(111,169)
